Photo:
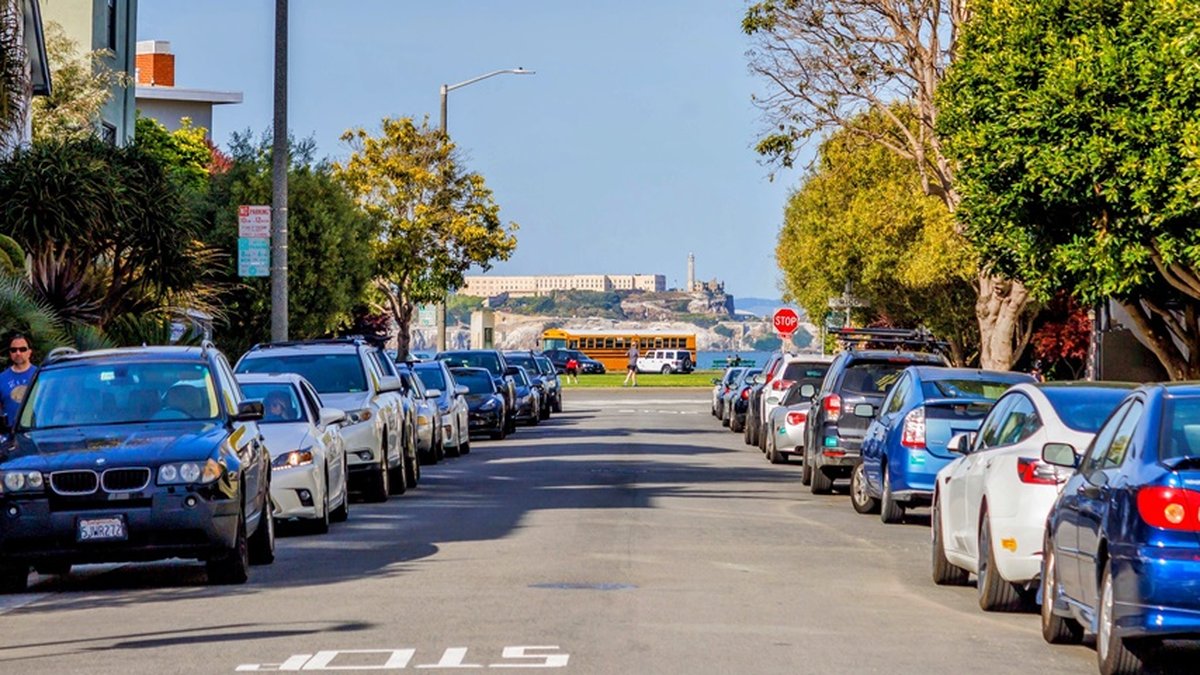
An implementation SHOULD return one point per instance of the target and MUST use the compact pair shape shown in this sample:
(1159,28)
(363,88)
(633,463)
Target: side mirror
(864,410)
(716,381)
(433,393)
(329,416)
(960,444)
(808,391)
(389,384)
(760,379)
(461,390)
(1060,454)
(249,411)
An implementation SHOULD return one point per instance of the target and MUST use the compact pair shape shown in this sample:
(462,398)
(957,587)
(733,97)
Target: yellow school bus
(610,346)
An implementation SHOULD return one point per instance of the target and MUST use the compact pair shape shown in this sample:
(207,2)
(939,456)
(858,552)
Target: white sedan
(990,505)
(786,424)
(308,456)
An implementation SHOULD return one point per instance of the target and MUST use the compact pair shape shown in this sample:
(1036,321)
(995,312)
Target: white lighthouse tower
(691,279)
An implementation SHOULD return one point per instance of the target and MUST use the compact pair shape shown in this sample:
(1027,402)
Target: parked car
(666,361)
(835,433)
(905,444)
(1122,541)
(754,406)
(348,375)
(738,400)
(587,365)
(553,383)
(548,383)
(991,503)
(785,426)
(721,386)
(431,444)
(452,404)
(529,398)
(486,405)
(502,374)
(135,454)
(308,456)
(804,369)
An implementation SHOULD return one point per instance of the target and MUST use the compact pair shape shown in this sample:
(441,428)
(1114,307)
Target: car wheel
(945,573)
(464,447)
(860,499)
(558,403)
(821,483)
(381,485)
(890,511)
(1057,630)
(14,577)
(497,435)
(666,370)
(545,410)
(995,593)
(775,455)
(1116,655)
(748,431)
(806,470)
(535,417)
(262,542)
(320,524)
(342,512)
(734,425)
(412,472)
(232,566)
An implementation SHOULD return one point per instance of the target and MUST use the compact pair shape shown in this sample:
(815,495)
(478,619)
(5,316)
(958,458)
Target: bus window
(621,343)
(658,343)
(574,344)
(608,343)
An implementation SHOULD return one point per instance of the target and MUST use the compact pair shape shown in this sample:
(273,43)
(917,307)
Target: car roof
(300,348)
(257,378)
(155,353)
(885,354)
(810,358)
(941,373)
(1179,389)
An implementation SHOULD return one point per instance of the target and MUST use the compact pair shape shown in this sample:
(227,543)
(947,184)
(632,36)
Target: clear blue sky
(630,147)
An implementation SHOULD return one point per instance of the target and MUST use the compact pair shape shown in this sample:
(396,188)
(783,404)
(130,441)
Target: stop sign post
(785,321)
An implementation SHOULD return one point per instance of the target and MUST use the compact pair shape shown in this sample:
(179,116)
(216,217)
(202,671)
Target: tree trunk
(1004,328)
(402,311)
(1159,338)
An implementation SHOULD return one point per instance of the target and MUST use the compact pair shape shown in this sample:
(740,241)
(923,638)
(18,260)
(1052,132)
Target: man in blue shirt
(14,382)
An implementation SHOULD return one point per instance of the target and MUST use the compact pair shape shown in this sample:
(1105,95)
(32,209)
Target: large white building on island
(526,286)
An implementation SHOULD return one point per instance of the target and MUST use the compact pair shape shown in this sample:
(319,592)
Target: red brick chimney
(155,63)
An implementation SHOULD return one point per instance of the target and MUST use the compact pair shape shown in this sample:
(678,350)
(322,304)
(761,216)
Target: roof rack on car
(58,353)
(890,337)
(347,340)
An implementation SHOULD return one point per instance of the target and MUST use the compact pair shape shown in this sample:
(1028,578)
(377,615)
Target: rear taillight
(913,435)
(781,384)
(1170,508)
(795,418)
(745,394)
(833,406)
(1035,471)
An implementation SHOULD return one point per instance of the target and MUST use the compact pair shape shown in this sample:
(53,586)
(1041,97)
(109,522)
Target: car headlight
(293,459)
(183,473)
(356,416)
(490,404)
(21,481)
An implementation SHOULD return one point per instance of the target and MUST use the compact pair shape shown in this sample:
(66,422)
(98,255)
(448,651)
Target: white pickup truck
(666,361)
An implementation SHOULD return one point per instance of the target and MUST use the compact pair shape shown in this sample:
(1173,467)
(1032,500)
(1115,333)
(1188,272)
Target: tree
(438,220)
(330,262)
(1061,341)
(186,152)
(1077,126)
(83,85)
(827,62)
(861,216)
(16,90)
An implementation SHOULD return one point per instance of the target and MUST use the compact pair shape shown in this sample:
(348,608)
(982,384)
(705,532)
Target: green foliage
(329,246)
(459,308)
(83,85)
(185,151)
(569,303)
(862,217)
(723,331)
(1077,128)
(21,312)
(766,343)
(130,331)
(12,257)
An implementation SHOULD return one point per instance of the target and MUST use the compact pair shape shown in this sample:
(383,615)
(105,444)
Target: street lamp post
(445,90)
(279,186)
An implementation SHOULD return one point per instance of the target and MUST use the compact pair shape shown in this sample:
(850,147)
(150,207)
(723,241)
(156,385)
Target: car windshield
(432,378)
(872,377)
(1084,408)
(748,375)
(484,360)
(328,373)
(989,389)
(120,393)
(544,365)
(476,381)
(524,360)
(522,377)
(1181,428)
(281,405)
(732,375)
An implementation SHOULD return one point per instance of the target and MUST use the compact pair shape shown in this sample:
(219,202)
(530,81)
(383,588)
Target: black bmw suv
(134,454)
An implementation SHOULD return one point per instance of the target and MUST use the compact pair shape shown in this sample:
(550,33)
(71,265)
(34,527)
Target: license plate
(101,529)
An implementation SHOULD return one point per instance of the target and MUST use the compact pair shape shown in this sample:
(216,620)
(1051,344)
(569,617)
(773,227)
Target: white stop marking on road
(526,656)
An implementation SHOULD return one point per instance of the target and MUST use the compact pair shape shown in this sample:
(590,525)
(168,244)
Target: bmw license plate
(101,529)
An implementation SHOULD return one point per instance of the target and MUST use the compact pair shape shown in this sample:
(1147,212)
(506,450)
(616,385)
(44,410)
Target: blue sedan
(1122,550)
(905,446)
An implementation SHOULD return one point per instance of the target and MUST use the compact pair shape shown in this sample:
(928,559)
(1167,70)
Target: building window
(108,133)
(112,25)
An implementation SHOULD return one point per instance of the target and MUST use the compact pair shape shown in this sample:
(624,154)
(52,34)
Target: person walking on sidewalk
(14,382)
(631,371)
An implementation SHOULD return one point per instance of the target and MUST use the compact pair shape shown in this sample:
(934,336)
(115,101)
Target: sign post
(254,241)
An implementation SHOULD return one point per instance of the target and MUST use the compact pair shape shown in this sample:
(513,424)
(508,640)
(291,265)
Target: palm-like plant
(15,88)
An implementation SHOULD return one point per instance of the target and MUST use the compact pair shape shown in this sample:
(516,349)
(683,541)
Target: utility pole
(279,186)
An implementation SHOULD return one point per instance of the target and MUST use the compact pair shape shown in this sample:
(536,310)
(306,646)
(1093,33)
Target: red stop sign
(785,320)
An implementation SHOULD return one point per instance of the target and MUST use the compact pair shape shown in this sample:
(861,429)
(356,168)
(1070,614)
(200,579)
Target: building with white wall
(524,286)
(158,97)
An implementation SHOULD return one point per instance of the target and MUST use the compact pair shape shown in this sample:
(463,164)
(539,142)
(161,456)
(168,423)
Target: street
(629,534)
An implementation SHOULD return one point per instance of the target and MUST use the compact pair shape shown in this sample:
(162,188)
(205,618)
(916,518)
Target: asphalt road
(630,534)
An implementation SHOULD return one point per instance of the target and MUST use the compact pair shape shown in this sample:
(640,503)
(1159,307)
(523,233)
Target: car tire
(995,593)
(860,499)
(262,542)
(497,435)
(412,472)
(944,572)
(733,424)
(320,524)
(724,419)
(1057,630)
(558,404)
(666,370)
(464,448)
(890,511)
(233,565)
(342,512)
(545,410)
(748,428)
(806,470)
(380,486)
(761,436)
(774,455)
(1114,654)
(821,483)
(14,577)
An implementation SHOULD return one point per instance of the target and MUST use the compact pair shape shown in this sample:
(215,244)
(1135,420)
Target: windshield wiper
(1180,463)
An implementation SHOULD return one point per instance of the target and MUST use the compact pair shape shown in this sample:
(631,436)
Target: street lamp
(446,89)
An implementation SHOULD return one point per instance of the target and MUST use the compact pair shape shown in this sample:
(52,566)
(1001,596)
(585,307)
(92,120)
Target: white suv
(347,373)
(666,361)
